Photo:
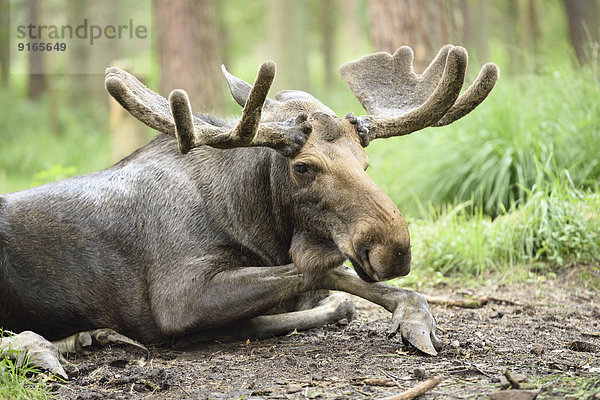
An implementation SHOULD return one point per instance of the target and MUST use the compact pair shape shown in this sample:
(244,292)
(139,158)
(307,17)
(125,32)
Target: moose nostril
(366,262)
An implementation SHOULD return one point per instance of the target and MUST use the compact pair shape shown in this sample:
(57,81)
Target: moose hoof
(413,320)
(417,336)
(340,306)
(29,347)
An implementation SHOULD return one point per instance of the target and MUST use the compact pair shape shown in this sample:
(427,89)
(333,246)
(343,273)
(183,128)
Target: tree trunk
(222,28)
(189,51)
(583,19)
(478,32)
(328,11)
(288,33)
(350,26)
(79,82)
(37,81)
(425,26)
(4,42)
(103,51)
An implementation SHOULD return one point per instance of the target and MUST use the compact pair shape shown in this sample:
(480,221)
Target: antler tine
(400,102)
(181,109)
(144,104)
(174,117)
(435,70)
(473,96)
(192,135)
(240,89)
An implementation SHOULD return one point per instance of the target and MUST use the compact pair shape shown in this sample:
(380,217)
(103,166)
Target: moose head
(339,212)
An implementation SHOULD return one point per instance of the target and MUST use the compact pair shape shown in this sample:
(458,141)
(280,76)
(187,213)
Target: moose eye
(300,168)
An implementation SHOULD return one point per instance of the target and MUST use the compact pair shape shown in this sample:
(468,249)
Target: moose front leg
(29,347)
(224,297)
(332,309)
(410,312)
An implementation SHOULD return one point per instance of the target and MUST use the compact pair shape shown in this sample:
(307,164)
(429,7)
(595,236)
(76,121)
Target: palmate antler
(400,102)
(174,117)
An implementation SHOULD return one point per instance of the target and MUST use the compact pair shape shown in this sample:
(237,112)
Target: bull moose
(225,229)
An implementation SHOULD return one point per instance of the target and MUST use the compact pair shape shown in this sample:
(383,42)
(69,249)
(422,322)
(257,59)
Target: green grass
(557,225)
(562,386)
(16,384)
(527,126)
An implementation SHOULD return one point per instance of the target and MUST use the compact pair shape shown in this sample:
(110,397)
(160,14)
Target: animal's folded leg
(30,348)
(334,308)
(98,337)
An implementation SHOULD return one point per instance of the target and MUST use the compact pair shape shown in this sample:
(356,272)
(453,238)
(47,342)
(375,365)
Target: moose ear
(240,89)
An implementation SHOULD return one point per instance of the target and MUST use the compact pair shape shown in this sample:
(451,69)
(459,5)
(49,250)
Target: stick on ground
(464,303)
(417,390)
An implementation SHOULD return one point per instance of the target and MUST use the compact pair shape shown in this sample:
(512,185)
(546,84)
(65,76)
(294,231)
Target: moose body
(101,250)
(218,224)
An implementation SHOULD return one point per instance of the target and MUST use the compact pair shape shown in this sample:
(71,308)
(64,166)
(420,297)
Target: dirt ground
(547,331)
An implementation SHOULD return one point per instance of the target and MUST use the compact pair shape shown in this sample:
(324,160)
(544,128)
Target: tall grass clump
(556,225)
(489,158)
(15,383)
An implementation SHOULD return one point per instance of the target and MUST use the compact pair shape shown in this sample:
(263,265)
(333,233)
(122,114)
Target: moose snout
(381,254)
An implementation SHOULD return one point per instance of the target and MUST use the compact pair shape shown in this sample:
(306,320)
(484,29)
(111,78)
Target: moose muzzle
(380,241)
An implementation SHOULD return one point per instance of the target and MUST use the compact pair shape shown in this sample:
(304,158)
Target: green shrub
(555,226)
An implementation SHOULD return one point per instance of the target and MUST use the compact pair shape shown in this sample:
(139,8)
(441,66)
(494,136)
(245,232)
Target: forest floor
(546,331)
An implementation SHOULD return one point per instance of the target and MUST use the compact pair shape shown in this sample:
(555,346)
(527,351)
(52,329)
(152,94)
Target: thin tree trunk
(583,19)
(189,51)
(483,32)
(4,42)
(223,37)
(37,81)
(79,81)
(103,51)
(328,11)
(351,31)
(288,19)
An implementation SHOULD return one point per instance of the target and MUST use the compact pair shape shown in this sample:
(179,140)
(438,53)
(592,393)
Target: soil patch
(547,332)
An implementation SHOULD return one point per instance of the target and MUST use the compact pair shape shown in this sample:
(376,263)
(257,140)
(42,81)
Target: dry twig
(592,334)
(469,303)
(464,303)
(417,390)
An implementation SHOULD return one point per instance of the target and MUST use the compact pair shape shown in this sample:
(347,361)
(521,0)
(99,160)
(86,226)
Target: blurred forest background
(515,182)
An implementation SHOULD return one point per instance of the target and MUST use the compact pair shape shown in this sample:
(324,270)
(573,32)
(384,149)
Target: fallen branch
(417,390)
(592,334)
(379,382)
(469,303)
(463,303)
(492,299)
